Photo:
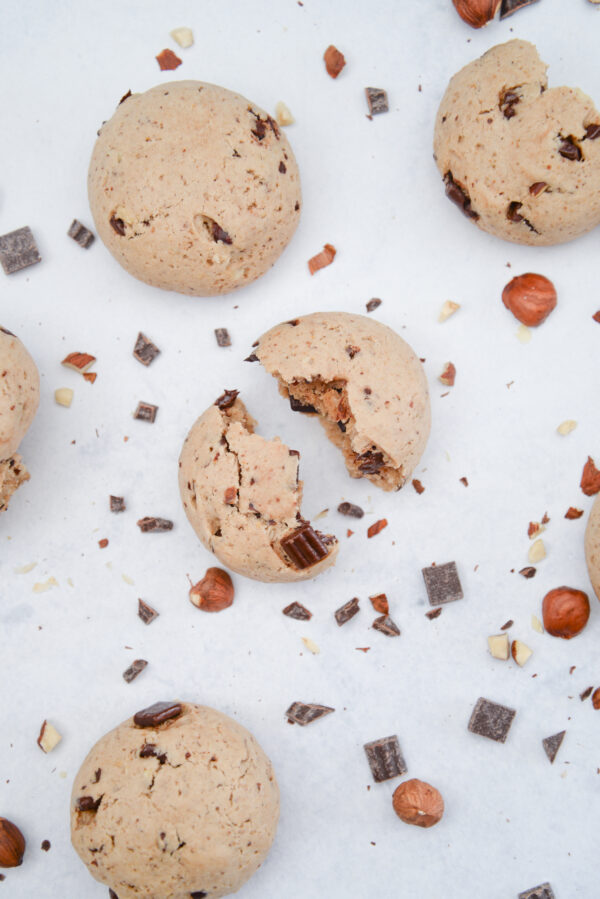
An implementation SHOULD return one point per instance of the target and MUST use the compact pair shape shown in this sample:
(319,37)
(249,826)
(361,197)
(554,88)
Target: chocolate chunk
(370,463)
(442,584)
(304,546)
(144,350)
(157,714)
(282,167)
(145,412)
(112,894)
(537,188)
(507,624)
(529,571)
(297,406)
(347,611)
(117,225)
(149,524)
(117,504)
(251,358)
(351,510)
(377,100)
(146,612)
(508,101)
(352,351)
(304,713)
(385,759)
(434,613)
(227,399)
(46,845)
(489,719)
(124,97)
(388,627)
(592,132)
(134,669)
(513,214)
(298,611)
(88,804)
(97,775)
(508,7)
(198,894)
(544,890)
(569,149)
(148,750)
(373,304)
(18,250)
(80,234)
(223,338)
(586,693)
(341,426)
(552,745)
(219,234)
(459,196)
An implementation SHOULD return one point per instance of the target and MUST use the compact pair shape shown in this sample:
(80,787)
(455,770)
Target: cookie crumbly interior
(12,474)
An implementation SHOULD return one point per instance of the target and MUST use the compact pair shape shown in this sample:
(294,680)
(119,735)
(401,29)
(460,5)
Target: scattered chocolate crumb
(117,504)
(146,612)
(388,627)
(117,224)
(124,97)
(251,358)
(223,338)
(347,611)
(572,513)
(377,527)
(103,543)
(334,61)
(18,250)
(373,304)
(528,572)
(80,234)
(46,845)
(322,259)
(586,693)
(418,486)
(507,624)
(464,481)
(167,60)
(149,524)
(144,350)
(227,399)
(351,510)
(298,611)
(134,669)
(434,613)
(146,412)
(377,100)
(552,745)
(304,713)
(380,603)
(572,669)
(385,759)
(442,583)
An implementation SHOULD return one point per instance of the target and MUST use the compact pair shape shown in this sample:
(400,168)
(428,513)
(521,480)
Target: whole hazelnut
(531,298)
(12,844)
(417,802)
(596,698)
(565,612)
(476,13)
(214,592)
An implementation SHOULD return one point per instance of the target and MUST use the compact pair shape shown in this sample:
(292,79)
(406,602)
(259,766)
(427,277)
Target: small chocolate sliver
(46,844)
(508,7)
(373,304)
(569,149)
(507,624)
(552,745)
(146,612)
(134,669)
(298,611)
(112,894)
(434,613)
(80,234)
(6,331)
(227,399)
(219,234)
(304,713)
(150,524)
(385,759)
(387,626)
(489,719)
(377,100)
(157,714)
(351,510)
(117,225)
(251,358)
(304,547)
(529,571)
(592,132)
(117,504)
(18,250)
(146,412)
(458,195)
(586,694)
(544,890)
(223,338)
(442,584)
(297,406)
(508,101)
(144,350)
(124,97)
(347,611)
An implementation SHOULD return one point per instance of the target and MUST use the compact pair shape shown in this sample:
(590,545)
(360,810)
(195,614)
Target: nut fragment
(214,592)
(448,309)
(63,396)
(283,115)
(498,646)
(537,551)
(530,297)
(448,376)
(520,652)
(596,698)
(417,802)
(565,612)
(537,624)
(183,36)
(78,361)
(12,844)
(476,13)
(334,61)
(49,737)
(590,478)
(565,427)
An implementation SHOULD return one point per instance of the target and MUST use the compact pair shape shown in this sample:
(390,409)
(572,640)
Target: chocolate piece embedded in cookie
(18,250)
(442,584)
(385,758)
(304,546)
(492,720)
(156,714)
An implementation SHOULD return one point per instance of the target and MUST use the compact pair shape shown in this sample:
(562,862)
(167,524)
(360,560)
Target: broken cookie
(592,546)
(19,400)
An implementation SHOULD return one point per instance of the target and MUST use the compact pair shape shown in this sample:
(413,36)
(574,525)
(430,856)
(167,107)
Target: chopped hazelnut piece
(565,427)
(498,646)
(78,361)
(520,652)
(448,309)
(283,115)
(63,396)
(183,36)
(537,551)
(523,334)
(537,624)
(49,737)
(448,376)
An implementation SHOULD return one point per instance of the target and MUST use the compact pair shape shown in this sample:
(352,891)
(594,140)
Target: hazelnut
(214,592)
(590,478)
(596,698)
(12,844)
(417,802)
(520,652)
(531,298)
(565,612)
(476,13)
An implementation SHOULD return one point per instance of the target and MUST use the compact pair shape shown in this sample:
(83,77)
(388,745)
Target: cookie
(193,188)
(363,381)
(19,400)
(521,161)
(242,496)
(592,546)
(178,801)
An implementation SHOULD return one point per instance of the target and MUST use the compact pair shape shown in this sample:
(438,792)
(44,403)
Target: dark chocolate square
(18,250)
(146,412)
(442,584)
(385,758)
(543,891)
(144,350)
(80,234)
(377,100)
(489,719)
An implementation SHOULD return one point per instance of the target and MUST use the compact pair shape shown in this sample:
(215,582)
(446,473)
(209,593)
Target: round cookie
(193,188)
(592,546)
(179,801)
(242,496)
(19,400)
(520,161)
(366,384)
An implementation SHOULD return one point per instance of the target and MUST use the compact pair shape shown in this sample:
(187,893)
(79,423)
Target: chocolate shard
(117,504)
(528,572)
(151,524)
(434,613)
(146,612)
(146,412)
(251,358)
(373,304)
(458,195)
(385,759)
(585,694)
(552,745)
(134,669)
(88,804)
(387,626)
(157,714)
(18,250)
(223,338)
(377,100)
(489,719)
(124,97)
(570,149)
(304,713)
(298,611)
(513,214)
(508,7)
(227,399)
(297,406)
(219,234)
(80,234)
(347,611)
(370,462)
(442,584)
(117,225)
(144,350)
(543,891)
(592,132)
(304,546)
(351,510)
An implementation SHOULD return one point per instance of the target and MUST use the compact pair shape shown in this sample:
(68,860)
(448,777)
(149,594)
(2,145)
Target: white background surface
(370,188)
